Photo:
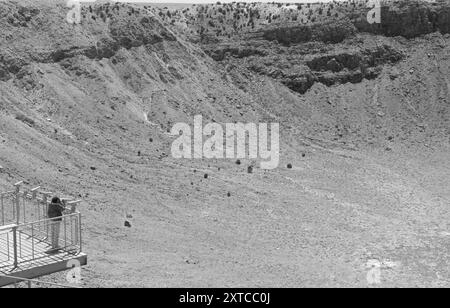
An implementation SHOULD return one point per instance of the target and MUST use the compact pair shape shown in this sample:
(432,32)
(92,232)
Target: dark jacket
(55,210)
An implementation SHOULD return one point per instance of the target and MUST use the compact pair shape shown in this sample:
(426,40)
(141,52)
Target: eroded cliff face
(300,69)
(409,19)
(396,18)
(262,37)
(333,50)
(329,31)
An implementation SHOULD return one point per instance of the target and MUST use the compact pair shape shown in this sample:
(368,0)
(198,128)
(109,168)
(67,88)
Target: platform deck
(34,259)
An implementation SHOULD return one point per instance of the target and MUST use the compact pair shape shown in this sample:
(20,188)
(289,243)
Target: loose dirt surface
(85,112)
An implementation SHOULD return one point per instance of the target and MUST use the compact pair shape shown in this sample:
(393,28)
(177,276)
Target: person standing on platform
(55,213)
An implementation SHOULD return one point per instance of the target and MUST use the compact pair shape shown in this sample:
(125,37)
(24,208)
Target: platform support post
(37,211)
(3,209)
(16,262)
(45,196)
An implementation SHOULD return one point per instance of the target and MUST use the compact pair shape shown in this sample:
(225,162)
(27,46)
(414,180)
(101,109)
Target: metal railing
(27,234)
(22,206)
(37,240)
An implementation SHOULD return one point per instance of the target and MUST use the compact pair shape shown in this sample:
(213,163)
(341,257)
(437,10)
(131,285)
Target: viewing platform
(26,236)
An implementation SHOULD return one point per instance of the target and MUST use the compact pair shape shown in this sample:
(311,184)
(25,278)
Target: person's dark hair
(56,200)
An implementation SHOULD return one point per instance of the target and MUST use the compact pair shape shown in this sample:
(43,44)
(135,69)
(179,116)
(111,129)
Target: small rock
(206,175)
(250,169)
(393,76)
(238,162)
(127,224)
(289,166)
(192,261)
(93,168)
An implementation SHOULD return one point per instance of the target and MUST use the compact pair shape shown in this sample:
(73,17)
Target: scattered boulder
(192,261)
(23,118)
(127,224)
(393,74)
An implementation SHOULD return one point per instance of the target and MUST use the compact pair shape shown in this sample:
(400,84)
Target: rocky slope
(85,111)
